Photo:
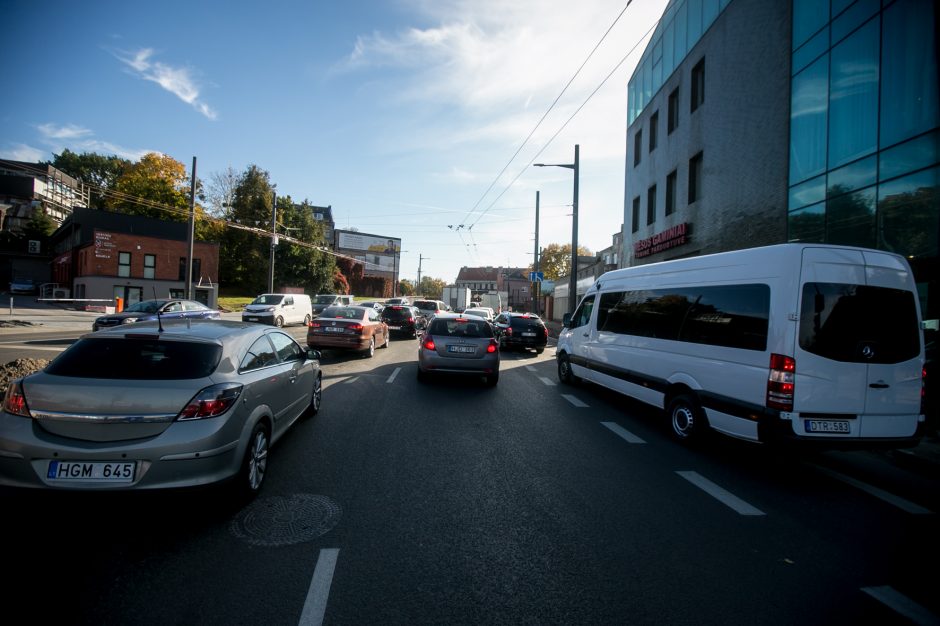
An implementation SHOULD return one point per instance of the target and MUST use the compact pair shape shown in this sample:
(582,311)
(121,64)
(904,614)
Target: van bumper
(771,429)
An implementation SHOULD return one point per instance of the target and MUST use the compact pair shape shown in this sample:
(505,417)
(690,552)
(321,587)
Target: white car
(485,313)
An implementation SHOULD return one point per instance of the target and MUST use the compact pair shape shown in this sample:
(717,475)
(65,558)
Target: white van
(279,309)
(786,342)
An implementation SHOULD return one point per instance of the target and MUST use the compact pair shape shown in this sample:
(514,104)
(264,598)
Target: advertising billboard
(349,240)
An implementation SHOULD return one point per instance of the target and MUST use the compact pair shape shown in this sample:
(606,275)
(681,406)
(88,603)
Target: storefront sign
(103,245)
(660,242)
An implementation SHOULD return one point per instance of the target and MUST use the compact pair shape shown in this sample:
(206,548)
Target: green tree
(406,287)
(431,287)
(244,254)
(301,264)
(555,260)
(98,170)
(158,179)
(39,226)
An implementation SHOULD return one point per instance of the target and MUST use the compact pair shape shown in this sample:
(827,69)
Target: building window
(671,193)
(654,130)
(695,178)
(673,110)
(197,269)
(698,86)
(651,205)
(636,214)
(637,147)
(150,265)
(124,264)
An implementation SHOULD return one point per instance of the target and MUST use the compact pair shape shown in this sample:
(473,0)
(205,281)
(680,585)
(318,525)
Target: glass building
(865,131)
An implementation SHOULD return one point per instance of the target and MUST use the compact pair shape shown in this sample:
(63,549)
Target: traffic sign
(536,276)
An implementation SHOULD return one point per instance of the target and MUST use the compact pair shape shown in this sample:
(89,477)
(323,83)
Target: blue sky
(399,114)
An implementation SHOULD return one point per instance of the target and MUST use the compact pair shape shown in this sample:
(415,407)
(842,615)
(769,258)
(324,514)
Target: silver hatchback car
(152,406)
(457,344)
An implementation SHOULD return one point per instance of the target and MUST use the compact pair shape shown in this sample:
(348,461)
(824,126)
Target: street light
(573,279)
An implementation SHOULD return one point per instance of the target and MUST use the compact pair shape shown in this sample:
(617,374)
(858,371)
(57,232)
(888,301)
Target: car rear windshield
(342,312)
(525,322)
(396,313)
(460,327)
(859,323)
(137,359)
(425,304)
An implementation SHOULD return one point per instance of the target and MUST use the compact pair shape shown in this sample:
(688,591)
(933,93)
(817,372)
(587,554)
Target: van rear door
(858,353)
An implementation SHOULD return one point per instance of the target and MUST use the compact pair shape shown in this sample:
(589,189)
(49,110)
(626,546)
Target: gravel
(18,368)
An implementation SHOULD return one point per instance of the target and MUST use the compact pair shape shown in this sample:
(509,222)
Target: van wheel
(279,321)
(564,371)
(687,418)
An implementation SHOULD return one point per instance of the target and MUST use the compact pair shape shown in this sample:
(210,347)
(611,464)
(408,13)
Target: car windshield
(426,304)
(147,306)
(396,312)
(267,299)
(324,299)
(122,358)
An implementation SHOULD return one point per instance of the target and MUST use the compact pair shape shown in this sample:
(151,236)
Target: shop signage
(660,242)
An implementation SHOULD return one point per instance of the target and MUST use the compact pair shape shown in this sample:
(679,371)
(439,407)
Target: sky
(412,119)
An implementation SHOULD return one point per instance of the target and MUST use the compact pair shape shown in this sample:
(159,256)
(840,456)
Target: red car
(355,328)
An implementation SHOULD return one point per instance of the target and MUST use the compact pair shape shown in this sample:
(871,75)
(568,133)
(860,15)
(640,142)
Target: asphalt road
(452,503)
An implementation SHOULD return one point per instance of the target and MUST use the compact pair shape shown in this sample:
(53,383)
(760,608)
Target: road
(452,503)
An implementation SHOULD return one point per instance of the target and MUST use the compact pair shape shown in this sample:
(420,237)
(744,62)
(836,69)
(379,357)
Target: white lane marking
(573,401)
(725,497)
(530,368)
(351,379)
(902,605)
(623,432)
(394,374)
(34,348)
(547,381)
(890,498)
(319,591)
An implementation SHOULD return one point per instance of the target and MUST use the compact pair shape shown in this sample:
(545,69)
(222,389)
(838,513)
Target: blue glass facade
(865,129)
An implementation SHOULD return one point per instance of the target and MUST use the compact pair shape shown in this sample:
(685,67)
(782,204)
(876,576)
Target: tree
(244,255)
(98,170)
(406,287)
(39,226)
(156,178)
(555,260)
(431,287)
(220,191)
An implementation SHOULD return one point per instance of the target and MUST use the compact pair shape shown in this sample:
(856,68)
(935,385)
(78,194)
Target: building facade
(752,123)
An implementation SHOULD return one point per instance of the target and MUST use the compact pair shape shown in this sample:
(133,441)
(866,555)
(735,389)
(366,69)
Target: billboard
(348,240)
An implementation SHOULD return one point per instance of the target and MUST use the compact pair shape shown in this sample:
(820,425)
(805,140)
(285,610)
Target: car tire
(565,374)
(539,350)
(492,379)
(370,351)
(385,345)
(686,418)
(316,398)
(250,477)
(279,321)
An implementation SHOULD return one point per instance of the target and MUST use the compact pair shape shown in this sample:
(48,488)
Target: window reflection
(853,96)
(909,215)
(851,218)
(809,108)
(808,225)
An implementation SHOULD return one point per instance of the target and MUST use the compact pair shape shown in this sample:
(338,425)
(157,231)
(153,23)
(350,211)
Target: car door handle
(585,334)
(879,385)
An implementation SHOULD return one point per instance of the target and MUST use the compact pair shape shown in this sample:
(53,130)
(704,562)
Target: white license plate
(117,472)
(394,327)
(826,426)
(252,319)
(467,349)
(334,329)
(528,334)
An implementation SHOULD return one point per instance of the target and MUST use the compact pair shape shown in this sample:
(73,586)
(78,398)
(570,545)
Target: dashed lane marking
(573,400)
(548,382)
(394,374)
(890,498)
(620,431)
(902,605)
(725,497)
(319,591)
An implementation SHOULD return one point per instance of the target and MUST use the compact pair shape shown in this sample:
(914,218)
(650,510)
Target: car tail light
(314,324)
(14,402)
(509,330)
(355,327)
(428,344)
(211,401)
(780,382)
(411,320)
(545,330)
(493,347)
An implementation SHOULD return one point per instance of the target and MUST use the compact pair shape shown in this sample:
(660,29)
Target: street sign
(536,277)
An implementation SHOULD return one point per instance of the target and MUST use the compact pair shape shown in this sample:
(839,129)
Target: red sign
(660,242)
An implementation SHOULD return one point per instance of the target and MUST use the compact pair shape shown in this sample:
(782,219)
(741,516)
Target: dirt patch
(18,368)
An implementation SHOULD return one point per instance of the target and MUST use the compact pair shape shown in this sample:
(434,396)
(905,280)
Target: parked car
(375,304)
(430,308)
(486,314)
(150,406)
(403,319)
(148,310)
(278,309)
(348,328)
(454,344)
(22,285)
(322,301)
(521,330)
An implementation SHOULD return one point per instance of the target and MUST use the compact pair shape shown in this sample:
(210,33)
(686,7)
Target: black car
(403,319)
(147,310)
(521,330)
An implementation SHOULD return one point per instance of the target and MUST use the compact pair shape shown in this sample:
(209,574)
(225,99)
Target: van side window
(859,323)
(582,316)
(734,316)
(289,301)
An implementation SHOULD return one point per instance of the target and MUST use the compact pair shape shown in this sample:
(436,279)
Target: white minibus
(279,309)
(786,342)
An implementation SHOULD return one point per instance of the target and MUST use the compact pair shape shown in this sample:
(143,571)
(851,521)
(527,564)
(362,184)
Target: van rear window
(859,323)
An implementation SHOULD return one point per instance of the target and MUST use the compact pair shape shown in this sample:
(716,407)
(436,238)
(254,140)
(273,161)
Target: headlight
(128,320)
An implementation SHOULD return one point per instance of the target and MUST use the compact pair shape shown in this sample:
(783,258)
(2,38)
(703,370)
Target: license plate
(334,329)
(466,349)
(117,472)
(252,319)
(528,334)
(826,426)
(394,327)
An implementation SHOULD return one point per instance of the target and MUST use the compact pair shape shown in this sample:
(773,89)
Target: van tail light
(780,382)
(492,347)
(428,344)
(211,401)
(14,402)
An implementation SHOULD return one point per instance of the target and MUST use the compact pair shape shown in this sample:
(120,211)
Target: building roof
(478,273)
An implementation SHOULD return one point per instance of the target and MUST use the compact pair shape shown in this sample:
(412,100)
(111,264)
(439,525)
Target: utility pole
(190,234)
(273,240)
(420,259)
(536,285)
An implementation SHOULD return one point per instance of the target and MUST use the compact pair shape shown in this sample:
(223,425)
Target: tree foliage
(39,226)
(100,171)
(555,260)
(431,287)
(406,287)
(156,178)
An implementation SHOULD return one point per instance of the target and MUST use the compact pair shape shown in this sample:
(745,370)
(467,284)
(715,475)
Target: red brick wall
(101,258)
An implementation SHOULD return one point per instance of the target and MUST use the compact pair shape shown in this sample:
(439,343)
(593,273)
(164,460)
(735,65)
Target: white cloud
(67,132)
(23,152)
(77,139)
(176,80)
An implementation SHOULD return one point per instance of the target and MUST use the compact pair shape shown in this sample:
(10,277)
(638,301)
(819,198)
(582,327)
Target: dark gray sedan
(455,344)
(147,310)
(153,406)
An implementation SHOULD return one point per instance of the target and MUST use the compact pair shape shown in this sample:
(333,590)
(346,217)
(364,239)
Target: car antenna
(159,321)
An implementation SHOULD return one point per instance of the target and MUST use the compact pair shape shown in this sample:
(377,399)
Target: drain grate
(286,520)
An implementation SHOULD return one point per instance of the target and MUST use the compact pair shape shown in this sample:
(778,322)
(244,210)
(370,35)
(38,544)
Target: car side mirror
(566,320)
(313,355)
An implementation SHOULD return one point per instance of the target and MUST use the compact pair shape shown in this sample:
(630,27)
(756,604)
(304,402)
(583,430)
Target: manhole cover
(286,520)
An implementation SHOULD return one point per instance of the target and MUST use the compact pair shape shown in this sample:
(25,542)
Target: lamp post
(573,279)
(273,240)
